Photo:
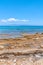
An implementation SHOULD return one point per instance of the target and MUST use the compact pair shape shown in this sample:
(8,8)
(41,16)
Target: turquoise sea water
(15,31)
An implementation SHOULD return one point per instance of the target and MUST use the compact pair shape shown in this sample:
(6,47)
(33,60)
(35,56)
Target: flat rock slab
(26,50)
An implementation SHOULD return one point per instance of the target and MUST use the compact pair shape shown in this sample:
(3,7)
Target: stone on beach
(39,62)
(26,50)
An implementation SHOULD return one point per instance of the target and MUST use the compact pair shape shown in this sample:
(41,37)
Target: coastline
(25,48)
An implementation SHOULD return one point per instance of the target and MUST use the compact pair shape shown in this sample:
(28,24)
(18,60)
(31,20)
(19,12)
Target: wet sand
(25,50)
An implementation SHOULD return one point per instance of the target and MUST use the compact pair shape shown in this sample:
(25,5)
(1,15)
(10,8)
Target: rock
(24,62)
(7,62)
(39,62)
(26,50)
(41,45)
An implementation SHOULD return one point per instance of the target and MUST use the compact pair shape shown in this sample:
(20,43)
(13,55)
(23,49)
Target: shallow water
(16,31)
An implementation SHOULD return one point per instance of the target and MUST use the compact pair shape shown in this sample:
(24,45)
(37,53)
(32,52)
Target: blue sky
(21,12)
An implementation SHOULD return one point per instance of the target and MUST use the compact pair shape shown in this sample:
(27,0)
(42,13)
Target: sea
(17,31)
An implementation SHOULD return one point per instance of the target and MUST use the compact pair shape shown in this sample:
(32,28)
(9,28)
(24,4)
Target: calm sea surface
(15,31)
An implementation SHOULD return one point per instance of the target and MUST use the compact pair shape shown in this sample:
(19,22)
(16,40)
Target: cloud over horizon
(14,20)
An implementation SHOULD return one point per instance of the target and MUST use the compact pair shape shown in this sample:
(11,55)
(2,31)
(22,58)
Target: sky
(21,12)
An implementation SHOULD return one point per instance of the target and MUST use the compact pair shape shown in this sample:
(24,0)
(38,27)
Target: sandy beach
(25,50)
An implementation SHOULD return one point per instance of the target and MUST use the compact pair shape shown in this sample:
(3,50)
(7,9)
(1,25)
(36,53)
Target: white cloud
(13,20)
(22,20)
(3,20)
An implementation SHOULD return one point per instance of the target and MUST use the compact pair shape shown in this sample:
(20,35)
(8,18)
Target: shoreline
(26,49)
(19,35)
(27,41)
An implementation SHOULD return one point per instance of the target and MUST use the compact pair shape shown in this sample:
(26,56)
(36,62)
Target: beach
(21,32)
(24,50)
(21,45)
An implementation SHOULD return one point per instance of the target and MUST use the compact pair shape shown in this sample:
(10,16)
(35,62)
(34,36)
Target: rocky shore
(25,50)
